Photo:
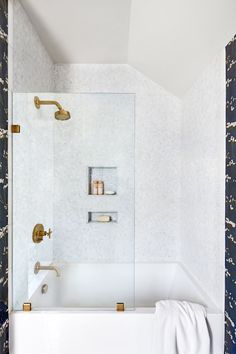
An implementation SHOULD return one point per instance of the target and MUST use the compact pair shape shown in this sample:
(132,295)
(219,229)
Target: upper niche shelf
(107,175)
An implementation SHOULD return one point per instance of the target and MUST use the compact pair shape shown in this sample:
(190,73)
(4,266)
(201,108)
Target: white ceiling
(82,31)
(170,41)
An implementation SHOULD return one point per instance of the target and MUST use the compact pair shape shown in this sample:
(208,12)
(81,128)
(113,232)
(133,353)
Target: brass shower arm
(61,114)
(39,102)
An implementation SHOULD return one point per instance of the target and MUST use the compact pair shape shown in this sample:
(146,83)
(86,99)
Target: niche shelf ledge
(108,175)
(95,217)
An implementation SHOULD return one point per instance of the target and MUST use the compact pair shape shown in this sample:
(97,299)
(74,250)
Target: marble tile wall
(32,65)
(99,133)
(202,179)
(157,160)
(170,173)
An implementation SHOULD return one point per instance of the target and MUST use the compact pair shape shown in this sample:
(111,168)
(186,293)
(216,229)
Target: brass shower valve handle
(48,233)
(39,233)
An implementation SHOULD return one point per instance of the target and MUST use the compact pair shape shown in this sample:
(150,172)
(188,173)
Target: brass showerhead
(61,114)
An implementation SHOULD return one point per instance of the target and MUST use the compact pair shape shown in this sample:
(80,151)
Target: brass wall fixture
(120,306)
(15,128)
(27,306)
(38,267)
(39,233)
(61,114)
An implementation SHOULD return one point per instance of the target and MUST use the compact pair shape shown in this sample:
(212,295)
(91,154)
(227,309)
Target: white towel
(180,328)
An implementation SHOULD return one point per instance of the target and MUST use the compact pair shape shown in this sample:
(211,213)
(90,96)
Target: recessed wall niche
(102,217)
(106,175)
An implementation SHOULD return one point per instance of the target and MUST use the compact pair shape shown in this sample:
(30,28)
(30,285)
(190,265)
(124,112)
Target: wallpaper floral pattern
(3,177)
(230,211)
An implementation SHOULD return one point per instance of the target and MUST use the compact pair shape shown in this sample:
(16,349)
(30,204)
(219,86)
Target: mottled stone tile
(230,200)
(4,177)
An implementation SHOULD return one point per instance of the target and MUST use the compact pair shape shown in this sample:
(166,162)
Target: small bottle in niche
(94,187)
(100,187)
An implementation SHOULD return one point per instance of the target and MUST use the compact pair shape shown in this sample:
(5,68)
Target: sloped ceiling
(82,31)
(170,41)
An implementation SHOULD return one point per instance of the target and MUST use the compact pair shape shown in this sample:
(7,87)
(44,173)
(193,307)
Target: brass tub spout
(39,267)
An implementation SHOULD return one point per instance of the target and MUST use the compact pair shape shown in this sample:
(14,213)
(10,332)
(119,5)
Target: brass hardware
(15,128)
(61,114)
(38,103)
(39,233)
(38,267)
(120,306)
(27,306)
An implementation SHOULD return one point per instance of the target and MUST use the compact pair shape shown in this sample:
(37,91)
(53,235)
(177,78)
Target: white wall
(32,66)
(158,159)
(203,179)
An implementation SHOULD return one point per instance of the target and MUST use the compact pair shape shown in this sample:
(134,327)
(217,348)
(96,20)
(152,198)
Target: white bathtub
(57,325)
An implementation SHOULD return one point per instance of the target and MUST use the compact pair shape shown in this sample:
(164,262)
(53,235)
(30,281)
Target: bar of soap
(110,192)
(104,218)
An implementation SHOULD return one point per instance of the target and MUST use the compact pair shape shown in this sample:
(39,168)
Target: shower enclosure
(74,267)
(73,244)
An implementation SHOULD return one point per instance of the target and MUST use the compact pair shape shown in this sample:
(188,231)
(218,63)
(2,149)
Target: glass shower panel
(77,178)
(32,194)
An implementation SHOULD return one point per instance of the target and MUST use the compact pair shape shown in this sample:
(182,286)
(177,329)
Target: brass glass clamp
(39,233)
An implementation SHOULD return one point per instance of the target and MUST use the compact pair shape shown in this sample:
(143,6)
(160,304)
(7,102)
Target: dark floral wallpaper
(3,178)
(230,207)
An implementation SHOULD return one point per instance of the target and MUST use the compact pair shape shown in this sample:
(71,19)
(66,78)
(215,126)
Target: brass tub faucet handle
(48,233)
(39,233)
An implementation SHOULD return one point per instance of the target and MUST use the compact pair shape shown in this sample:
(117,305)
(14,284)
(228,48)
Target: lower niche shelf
(102,217)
